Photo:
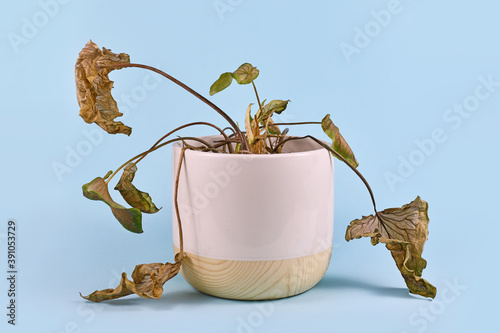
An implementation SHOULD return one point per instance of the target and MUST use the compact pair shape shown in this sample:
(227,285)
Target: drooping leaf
(222,83)
(245,74)
(134,197)
(274,106)
(273,129)
(130,218)
(248,125)
(93,88)
(148,281)
(338,142)
(404,231)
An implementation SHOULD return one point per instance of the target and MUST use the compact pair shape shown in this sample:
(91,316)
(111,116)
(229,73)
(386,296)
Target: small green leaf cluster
(245,74)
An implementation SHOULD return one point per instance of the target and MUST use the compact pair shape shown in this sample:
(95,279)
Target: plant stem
(340,157)
(300,123)
(257,95)
(177,213)
(184,126)
(196,94)
(155,148)
(229,128)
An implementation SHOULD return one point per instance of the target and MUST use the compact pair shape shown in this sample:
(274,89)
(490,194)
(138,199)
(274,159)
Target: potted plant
(253,209)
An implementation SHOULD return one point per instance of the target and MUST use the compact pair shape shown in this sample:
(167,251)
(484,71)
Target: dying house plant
(403,230)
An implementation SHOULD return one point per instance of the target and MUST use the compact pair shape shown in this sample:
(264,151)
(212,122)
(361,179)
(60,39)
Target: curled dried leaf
(125,288)
(130,218)
(134,197)
(404,232)
(93,87)
(338,142)
(148,281)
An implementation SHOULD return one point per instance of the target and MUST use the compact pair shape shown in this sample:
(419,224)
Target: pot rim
(316,150)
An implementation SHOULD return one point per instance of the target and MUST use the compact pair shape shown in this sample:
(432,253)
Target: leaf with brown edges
(404,232)
(134,197)
(274,106)
(339,144)
(130,218)
(93,88)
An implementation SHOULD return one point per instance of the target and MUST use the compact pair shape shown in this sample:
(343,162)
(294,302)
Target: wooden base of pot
(254,280)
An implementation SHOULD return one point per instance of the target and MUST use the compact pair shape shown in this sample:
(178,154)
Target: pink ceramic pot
(255,226)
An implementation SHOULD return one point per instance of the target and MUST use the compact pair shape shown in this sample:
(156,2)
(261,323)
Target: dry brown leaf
(148,281)
(124,289)
(134,197)
(404,232)
(93,88)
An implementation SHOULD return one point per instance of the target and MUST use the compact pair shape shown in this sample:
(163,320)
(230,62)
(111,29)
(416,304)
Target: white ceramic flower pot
(255,226)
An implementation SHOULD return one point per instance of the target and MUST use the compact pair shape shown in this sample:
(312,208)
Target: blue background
(388,88)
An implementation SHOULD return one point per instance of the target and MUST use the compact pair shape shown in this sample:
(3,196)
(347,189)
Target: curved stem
(196,94)
(155,148)
(177,212)
(300,123)
(340,157)
(229,128)
(184,126)
(257,95)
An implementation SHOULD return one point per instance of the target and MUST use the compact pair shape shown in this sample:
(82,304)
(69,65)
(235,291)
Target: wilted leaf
(130,218)
(222,83)
(93,88)
(148,281)
(125,288)
(274,106)
(248,125)
(404,232)
(338,142)
(273,129)
(245,74)
(134,197)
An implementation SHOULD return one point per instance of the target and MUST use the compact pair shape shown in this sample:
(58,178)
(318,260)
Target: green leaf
(222,83)
(338,142)
(245,74)
(134,197)
(130,218)
(404,231)
(274,106)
